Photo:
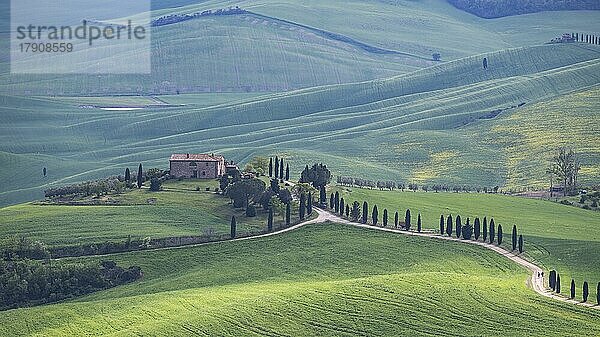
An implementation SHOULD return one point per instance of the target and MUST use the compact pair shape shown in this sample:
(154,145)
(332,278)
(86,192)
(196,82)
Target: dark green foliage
(458,226)
(572,288)
(250,211)
(407,220)
(276,167)
(22,248)
(322,196)
(419,225)
(514,237)
(520,243)
(127,175)
(385,217)
(271,167)
(396,220)
(355,212)
(302,209)
(287,172)
(27,282)
(140,177)
(342,206)
(241,192)
(477,228)
(270,220)
(347,210)
(155,184)
(224,182)
(375,215)
(449,225)
(485,229)
(442,224)
(499,235)
(492,231)
(331,201)
(336,202)
(309,208)
(552,280)
(285,196)
(44,171)
(586,291)
(288,214)
(274,186)
(598,294)
(365,212)
(281,169)
(467,231)
(318,175)
(557,286)
(233,227)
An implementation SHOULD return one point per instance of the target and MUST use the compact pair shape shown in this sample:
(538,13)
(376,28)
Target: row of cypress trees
(467,231)
(278,169)
(554,282)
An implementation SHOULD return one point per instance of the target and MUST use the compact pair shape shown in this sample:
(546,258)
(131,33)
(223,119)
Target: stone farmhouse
(202,166)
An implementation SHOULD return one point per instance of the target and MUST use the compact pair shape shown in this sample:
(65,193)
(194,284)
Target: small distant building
(231,167)
(202,166)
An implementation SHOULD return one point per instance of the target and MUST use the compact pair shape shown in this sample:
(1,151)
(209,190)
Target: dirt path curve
(535,282)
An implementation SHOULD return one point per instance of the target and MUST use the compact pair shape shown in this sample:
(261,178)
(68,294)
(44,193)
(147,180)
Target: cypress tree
(514,237)
(271,167)
(557,283)
(396,220)
(365,212)
(552,280)
(458,226)
(331,200)
(302,206)
(442,224)
(419,223)
(407,220)
(233,227)
(449,225)
(288,214)
(598,294)
(499,235)
(281,168)
(485,229)
(336,202)
(287,172)
(309,204)
(572,288)
(322,195)
(586,291)
(520,243)
(140,177)
(342,208)
(477,228)
(375,215)
(492,231)
(270,220)
(347,210)
(276,167)
(127,175)
(385,217)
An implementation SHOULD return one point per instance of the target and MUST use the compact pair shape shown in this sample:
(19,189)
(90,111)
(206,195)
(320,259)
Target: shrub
(250,211)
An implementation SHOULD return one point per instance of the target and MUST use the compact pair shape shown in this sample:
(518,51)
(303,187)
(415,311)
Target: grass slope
(558,237)
(328,280)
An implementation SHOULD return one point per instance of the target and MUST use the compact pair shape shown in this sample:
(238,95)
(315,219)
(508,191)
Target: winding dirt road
(535,282)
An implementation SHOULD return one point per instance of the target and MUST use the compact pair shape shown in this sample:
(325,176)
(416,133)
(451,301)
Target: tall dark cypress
(442,224)
(140,176)
(365,212)
(270,220)
(458,226)
(385,217)
(127,175)
(586,291)
(271,167)
(347,210)
(572,288)
(309,204)
(233,227)
(485,229)
(302,209)
(322,195)
(287,172)
(492,231)
(288,214)
(598,294)
(331,201)
(514,237)
(449,225)
(336,202)
(557,287)
(520,243)
(419,223)
(281,168)
(407,220)
(276,167)
(552,279)
(396,220)
(477,228)
(500,235)
(375,215)
(342,208)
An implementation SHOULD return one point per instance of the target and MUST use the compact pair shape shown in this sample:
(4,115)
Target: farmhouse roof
(195,157)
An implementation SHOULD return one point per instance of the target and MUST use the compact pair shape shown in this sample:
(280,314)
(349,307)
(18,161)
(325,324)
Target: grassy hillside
(321,280)
(276,47)
(558,237)
(417,126)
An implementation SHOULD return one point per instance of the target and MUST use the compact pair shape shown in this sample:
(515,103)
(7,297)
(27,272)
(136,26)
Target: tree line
(392,185)
(555,285)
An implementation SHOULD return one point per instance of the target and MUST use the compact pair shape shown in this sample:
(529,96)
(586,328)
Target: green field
(178,210)
(560,237)
(324,279)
